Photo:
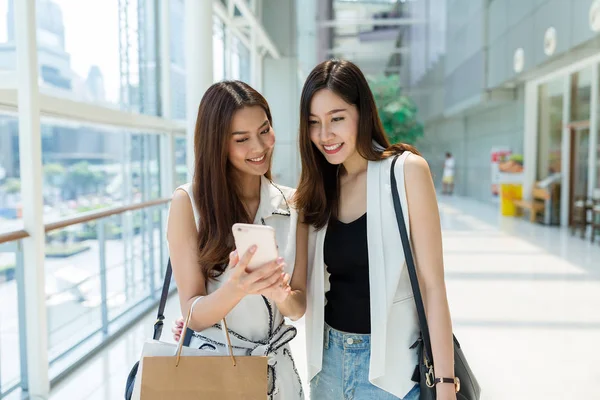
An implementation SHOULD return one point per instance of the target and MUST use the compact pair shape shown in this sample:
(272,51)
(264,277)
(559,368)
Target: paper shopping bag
(193,377)
(156,348)
(208,377)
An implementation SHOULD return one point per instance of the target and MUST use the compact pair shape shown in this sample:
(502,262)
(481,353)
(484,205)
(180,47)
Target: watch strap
(454,381)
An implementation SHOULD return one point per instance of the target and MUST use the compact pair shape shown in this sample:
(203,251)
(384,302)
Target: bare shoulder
(416,162)
(420,190)
(416,168)
(181,202)
(181,214)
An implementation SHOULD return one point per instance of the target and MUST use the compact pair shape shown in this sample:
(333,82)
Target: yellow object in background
(508,193)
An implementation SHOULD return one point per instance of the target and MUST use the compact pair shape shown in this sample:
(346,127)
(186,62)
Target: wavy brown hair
(216,190)
(317,196)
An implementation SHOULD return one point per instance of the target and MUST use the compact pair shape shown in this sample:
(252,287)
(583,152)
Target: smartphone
(247,235)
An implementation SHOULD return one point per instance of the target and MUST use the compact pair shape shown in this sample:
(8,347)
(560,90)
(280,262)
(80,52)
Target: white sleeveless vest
(394,324)
(256,325)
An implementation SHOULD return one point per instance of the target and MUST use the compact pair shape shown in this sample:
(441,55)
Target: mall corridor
(101,120)
(524,300)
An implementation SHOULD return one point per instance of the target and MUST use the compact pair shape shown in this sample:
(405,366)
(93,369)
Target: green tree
(54,174)
(12,186)
(398,113)
(81,179)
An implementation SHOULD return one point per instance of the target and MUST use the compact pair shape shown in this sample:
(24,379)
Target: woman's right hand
(261,280)
(264,280)
(177,329)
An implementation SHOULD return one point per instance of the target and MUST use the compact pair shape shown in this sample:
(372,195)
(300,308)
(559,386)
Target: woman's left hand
(281,292)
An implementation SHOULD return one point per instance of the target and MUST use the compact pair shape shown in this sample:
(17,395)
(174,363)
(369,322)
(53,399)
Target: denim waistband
(345,339)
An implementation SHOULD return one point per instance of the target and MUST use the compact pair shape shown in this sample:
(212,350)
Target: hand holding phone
(262,236)
(268,279)
(264,270)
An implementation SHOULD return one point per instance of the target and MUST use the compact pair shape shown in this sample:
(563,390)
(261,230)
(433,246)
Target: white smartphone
(247,235)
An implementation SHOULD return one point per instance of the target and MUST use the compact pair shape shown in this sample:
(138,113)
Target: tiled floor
(525,302)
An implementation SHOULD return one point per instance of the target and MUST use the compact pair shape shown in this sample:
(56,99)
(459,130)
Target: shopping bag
(200,376)
(169,370)
(156,348)
(206,377)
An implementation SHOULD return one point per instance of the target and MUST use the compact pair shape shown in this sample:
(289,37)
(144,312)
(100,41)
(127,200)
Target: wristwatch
(455,381)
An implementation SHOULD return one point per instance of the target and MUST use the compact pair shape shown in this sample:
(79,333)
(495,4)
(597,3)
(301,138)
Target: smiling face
(333,125)
(251,142)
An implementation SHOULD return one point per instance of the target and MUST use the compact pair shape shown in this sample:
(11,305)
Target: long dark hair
(216,191)
(317,196)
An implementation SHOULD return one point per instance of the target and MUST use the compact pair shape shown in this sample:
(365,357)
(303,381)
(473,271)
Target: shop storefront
(562,144)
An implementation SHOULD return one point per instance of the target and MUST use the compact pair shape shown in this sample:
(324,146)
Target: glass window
(178,110)
(598,164)
(597,154)
(8,55)
(10,361)
(180,161)
(244,61)
(550,126)
(75,60)
(100,51)
(218,50)
(236,61)
(131,263)
(89,167)
(10,177)
(581,84)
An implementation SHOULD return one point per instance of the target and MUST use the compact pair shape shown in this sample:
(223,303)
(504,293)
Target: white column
(227,51)
(565,186)
(167,161)
(198,64)
(30,150)
(165,57)
(530,139)
(593,149)
(307,38)
(255,61)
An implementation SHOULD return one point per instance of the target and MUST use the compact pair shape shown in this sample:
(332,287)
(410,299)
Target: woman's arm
(426,238)
(293,305)
(182,237)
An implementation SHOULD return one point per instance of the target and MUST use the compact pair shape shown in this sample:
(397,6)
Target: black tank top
(347,259)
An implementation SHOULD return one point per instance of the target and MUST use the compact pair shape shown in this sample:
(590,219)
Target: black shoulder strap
(160,317)
(412,271)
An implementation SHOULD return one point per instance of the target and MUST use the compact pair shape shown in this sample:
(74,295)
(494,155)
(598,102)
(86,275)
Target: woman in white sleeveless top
(361,320)
(234,142)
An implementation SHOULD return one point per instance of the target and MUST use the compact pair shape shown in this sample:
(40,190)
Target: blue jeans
(345,373)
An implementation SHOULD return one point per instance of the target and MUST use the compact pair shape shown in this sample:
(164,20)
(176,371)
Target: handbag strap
(185,329)
(412,271)
(160,317)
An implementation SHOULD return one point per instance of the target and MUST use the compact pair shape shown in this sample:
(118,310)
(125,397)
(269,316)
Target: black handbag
(158,326)
(424,372)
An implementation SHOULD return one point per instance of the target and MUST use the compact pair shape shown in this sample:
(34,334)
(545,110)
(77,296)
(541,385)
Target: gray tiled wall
(465,43)
(482,36)
(523,23)
(470,139)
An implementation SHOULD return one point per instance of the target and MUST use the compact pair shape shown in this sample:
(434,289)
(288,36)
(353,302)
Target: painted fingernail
(279,260)
(253,249)
(233,253)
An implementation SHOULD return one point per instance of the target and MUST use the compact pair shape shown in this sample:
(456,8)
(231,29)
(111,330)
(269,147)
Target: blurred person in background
(448,175)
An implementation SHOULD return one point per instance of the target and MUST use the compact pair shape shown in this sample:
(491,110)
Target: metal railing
(103,271)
